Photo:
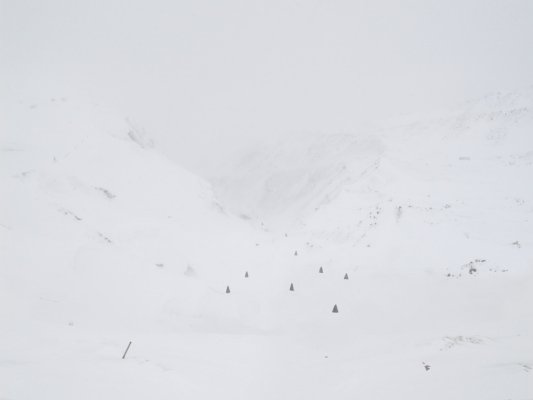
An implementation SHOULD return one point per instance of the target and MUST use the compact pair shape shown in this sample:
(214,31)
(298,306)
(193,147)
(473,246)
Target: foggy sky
(207,77)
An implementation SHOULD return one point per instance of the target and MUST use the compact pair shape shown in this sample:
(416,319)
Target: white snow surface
(105,241)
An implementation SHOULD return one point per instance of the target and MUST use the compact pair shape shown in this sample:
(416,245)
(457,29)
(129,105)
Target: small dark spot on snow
(70,213)
(104,237)
(190,272)
(106,192)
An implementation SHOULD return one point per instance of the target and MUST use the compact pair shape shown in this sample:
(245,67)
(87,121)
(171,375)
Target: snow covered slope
(433,220)
(104,241)
(301,177)
(291,179)
(96,207)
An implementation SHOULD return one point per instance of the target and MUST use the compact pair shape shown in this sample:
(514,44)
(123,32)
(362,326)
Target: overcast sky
(205,77)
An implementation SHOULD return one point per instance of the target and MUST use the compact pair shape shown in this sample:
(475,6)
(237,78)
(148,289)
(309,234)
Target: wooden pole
(127,348)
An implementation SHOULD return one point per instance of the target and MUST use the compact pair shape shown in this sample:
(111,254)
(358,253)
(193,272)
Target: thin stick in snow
(127,348)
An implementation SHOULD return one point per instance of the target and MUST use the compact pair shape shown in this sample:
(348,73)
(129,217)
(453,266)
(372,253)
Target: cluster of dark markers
(291,288)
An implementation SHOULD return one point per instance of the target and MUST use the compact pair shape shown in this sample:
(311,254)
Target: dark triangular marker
(296,253)
(335,309)
(292,288)
(227,289)
(246,274)
(320,271)
(346,275)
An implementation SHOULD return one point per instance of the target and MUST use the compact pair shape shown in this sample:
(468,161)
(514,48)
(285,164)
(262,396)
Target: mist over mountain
(266,200)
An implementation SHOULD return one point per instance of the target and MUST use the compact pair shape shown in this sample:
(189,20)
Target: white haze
(342,229)
(206,78)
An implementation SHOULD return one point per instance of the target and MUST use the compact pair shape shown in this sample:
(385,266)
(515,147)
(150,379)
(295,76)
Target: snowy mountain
(432,217)
(300,178)
(419,235)
(102,239)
